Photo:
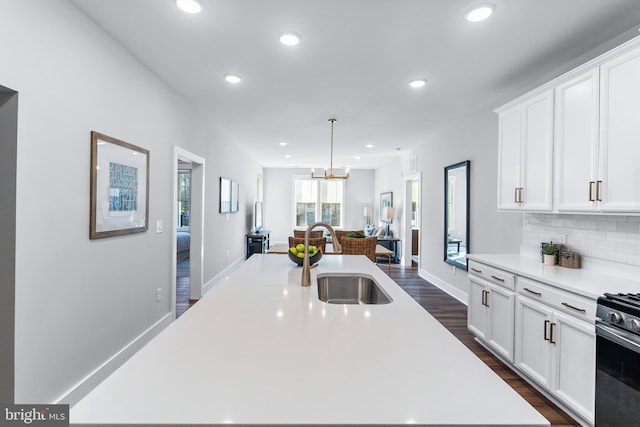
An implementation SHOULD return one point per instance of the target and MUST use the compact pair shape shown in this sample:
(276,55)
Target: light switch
(159,226)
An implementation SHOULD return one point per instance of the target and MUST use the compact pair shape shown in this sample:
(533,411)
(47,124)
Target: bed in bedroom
(184,241)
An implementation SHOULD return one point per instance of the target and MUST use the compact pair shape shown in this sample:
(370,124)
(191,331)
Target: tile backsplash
(604,237)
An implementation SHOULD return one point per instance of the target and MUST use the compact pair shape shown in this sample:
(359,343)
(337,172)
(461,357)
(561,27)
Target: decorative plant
(356,234)
(550,250)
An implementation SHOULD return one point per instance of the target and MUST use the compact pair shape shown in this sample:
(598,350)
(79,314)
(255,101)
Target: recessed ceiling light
(287,156)
(190,6)
(369,145)
(357,157)
(290,39)
(232,78)
(417,83)
(480,12)
(282,143)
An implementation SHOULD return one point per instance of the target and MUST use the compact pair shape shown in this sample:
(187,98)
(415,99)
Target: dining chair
(343,233)
(359,246)
(314,234)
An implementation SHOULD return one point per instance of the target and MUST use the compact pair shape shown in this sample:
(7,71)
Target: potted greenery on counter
(550,255)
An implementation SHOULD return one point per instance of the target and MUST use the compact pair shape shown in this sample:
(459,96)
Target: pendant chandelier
(330,175)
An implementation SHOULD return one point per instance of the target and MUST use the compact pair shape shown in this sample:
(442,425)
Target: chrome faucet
(306,267)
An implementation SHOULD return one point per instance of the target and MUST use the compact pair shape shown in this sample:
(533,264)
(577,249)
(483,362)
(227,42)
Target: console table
(393,244)
(257,242)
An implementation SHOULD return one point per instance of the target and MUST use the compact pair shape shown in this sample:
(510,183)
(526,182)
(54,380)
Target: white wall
(390,177)
(278,199)
(473,138)
(80,302)
(225,232)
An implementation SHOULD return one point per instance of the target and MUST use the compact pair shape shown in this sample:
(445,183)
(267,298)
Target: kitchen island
(260,349)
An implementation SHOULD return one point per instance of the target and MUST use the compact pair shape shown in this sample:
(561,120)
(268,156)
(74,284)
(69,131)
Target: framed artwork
(386,199)
(234,196)
(225,195)
(119,199)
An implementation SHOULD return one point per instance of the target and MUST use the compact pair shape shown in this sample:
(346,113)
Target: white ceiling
(354,63)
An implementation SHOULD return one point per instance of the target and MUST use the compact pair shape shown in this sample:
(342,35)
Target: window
(318,200)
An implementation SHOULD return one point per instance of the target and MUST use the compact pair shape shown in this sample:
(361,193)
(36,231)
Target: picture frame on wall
(225,195)
(119,187)
(386,199)
(229,196)
(235,194)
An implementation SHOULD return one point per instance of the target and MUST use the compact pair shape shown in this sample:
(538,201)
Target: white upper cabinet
(573,144)
(525,147)
(510,134)
(576,143)
(618,186)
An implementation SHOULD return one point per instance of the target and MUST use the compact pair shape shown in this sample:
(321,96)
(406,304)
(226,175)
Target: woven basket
(568,259)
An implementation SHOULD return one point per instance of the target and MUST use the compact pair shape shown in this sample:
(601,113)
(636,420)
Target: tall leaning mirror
(456,214)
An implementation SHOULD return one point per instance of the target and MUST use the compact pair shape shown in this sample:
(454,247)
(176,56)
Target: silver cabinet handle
(497,278)
(475,270)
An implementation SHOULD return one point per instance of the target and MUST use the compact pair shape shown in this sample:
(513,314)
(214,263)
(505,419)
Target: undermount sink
(351,289)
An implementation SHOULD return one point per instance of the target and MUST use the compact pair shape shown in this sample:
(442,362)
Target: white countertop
(590,283)
(261,349)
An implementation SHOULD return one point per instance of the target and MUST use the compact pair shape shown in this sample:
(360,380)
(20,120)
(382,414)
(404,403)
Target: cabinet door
(509,156)
(620,134)
(476,310)
(576,143)
(574,363)
(501,315)
(532,350)
(537,154)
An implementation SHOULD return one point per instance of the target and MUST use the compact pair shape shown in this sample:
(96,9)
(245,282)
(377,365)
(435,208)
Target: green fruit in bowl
(293,250)
(313,249)
(300,254)
(300,248)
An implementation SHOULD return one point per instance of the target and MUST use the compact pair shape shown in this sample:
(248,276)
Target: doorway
(187,226)
(412,225)
(8,171)
(183,238)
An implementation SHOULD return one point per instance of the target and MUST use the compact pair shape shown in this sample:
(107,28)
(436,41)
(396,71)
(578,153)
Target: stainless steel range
(618,360)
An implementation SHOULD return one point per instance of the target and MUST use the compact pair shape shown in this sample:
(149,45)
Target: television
(257,217)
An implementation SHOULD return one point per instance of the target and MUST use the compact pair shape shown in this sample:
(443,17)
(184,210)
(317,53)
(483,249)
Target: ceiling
(354,64)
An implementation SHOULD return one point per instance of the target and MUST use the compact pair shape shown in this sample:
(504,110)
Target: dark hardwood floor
(182,295)
(452,314)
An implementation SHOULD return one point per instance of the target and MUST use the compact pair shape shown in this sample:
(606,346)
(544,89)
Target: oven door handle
(622,338)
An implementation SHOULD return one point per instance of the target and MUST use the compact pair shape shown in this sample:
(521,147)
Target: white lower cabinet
(491,313)
(548,334)
(556,349)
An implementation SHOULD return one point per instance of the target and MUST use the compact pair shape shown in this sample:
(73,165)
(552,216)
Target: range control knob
(634,325)
(614,317)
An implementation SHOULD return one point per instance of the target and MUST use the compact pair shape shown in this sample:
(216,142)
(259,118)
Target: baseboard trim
(91,381)
(222,275)
(446,287)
